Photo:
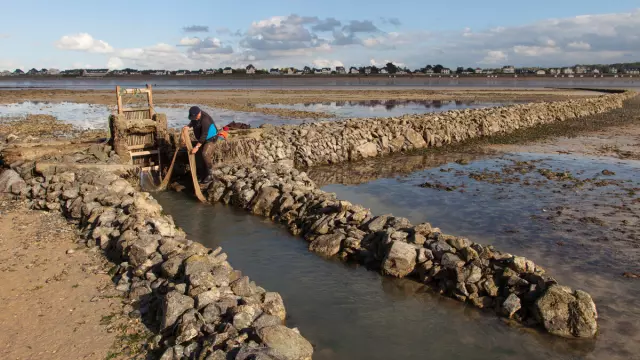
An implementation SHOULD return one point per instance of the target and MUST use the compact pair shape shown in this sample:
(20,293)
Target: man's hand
(195,149)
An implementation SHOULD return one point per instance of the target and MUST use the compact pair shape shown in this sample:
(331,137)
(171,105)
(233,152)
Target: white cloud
(322,63)
(115,63)
(4,36)
(535,50)
(579,45)
(79,65)
(189,41)
(83,42)
(494,57)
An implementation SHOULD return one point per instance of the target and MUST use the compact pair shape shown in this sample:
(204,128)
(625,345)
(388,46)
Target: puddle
(385,108)
(351,313)
(583,226)
(90,116)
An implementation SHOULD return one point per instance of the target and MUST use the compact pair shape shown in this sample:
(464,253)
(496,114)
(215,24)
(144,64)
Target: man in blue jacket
(205,130)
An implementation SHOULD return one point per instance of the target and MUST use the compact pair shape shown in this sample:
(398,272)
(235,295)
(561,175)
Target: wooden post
(150,99)
(118,99)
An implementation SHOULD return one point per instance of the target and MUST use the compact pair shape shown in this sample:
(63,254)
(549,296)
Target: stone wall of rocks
(482,276)
(202,307)
(333,142)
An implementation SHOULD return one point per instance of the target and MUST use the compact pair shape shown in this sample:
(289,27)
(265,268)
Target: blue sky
(146,34)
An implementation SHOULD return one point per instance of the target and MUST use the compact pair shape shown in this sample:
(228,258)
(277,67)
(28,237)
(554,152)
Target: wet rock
(264,201)
(511,305)
(272,304)
(265,320)
(378,223)
(256,353)
(451,261)
(174,305)
(327,245)
(472,274)
(424,255)
(197,264)
(367,150)
(400,259)
(285,342)
(567,313)
(244,317)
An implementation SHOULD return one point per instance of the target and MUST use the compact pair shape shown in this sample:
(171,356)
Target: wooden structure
(138,133)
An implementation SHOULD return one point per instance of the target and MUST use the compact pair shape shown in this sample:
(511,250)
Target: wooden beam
(135,91)
(119,100)
(135,109)
(150,100)
(147,152)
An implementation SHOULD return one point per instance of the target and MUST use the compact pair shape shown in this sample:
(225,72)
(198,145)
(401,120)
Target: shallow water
(383,108)
(523,219)
(348,312)
(90,116)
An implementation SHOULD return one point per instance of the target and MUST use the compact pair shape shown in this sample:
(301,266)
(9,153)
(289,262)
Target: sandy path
(54,305)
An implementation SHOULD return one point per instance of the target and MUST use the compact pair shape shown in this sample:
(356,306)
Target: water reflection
(367,108)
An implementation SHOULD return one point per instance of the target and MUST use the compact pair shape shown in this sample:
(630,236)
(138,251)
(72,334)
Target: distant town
(615,70)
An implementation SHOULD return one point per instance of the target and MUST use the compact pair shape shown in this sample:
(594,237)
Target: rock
(256,353)
(400,259)
(264,201)
(67,177)
(458,243)
(451,261)
(197,264)
(417,238)
(490,287)
(9,180)
(378,223)
(217,355)
(207,297)
(567,313)
(367,150)
(211,314)
(424,255)
(286,343)
(468,254)
(244,316)
(511,305)
(174,305)
(272,304)
(327,245)
(518,264)
(472,274)
(145,204)
(171,268)
(70,251)
(415,139)
(242,287)
(140,250)
(265,320)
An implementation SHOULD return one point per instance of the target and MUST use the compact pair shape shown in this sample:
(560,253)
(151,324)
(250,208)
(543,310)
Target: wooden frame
(139,150)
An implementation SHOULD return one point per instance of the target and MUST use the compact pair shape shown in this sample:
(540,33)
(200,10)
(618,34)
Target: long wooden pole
(192,165)
(167,177)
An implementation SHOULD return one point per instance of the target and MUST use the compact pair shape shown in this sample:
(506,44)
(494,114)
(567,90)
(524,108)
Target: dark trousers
(207,156)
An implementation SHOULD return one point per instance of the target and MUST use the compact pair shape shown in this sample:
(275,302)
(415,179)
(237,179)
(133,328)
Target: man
(205,130)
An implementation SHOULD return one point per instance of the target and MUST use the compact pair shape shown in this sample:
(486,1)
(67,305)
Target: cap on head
(193,112)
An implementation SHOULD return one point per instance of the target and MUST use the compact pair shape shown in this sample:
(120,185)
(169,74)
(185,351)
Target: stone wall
(512,286)
(333,142)
(202,307)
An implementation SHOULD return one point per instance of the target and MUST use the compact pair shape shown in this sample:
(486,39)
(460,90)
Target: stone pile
(510,285)
(201,306)
(333,142)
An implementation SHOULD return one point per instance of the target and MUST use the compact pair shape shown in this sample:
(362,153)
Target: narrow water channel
(351,313)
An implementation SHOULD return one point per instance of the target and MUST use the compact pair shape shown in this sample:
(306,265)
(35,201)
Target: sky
(201,34)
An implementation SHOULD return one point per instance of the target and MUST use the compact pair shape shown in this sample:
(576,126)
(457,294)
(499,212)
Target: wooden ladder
(141,113)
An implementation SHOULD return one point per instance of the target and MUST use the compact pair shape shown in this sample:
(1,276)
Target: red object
(226,128)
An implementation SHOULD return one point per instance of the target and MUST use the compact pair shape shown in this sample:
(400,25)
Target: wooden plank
(140,153)
(119,100)
(135,91)
(136,109)
(150,101)
(192,165)
(138,147)
(156,167)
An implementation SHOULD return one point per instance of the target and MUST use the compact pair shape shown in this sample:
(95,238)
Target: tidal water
(382,108)
(348,312)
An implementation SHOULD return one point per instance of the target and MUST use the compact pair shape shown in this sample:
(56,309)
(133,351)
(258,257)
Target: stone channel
(203,308)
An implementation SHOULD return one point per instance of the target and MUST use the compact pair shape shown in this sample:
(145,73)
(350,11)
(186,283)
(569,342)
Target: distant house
(567,71)
(613,70)
(367,70)
(160,72)
(401,72)
(181,72)
(632,71)
(580,70)
(429,71)
(478,71)
(53,72)
(541,72)
(340,70)
(596,71)
(291,71)
(383,71)
(227,70)
(94,72)
(251,69)
(5,73)
(445,71)
(326,71)
(134,72)
(508,70)
(354,70)
(274,71)
(554,71)
(317,71)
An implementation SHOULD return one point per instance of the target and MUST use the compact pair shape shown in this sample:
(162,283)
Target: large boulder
(174,305)
(327,245)
(568,313)
(285,342)
(400,259)
(10,181)
(264,201)
(366,150)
